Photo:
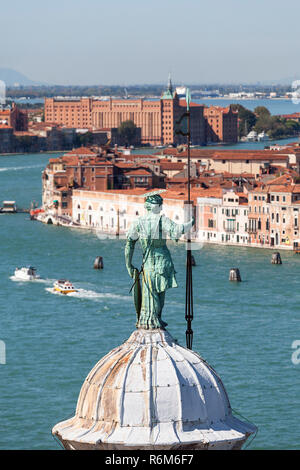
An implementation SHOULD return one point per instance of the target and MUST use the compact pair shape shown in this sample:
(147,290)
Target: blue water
(275,106)
(244,330)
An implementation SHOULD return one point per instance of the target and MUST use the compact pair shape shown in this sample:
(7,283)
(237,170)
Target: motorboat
(26,273)
(64,286)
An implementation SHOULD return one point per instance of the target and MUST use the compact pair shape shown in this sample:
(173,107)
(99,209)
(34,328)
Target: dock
(10,207)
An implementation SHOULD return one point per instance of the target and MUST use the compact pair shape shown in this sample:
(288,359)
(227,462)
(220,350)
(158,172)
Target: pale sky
(125,42)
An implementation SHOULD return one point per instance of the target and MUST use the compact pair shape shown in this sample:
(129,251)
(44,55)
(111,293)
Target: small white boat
(252,136)
(64,286)
(262,137)
(26,274)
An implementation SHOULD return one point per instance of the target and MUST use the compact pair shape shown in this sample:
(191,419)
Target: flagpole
(189,309)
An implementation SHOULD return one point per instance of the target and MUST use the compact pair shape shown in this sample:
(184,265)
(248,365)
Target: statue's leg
(150,316)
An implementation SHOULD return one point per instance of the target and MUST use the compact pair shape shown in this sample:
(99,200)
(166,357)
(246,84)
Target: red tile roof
(182,102)
(81,151)
(139,172)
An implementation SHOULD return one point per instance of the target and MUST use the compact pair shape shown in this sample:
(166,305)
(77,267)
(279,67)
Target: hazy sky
(138,41)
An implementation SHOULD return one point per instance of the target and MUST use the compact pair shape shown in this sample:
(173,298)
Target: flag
(181,126)
(187,99)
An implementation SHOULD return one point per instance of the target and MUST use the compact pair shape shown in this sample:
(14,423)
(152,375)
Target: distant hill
(13,78)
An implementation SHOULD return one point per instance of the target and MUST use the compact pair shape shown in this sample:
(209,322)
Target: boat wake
(16,168)
(43,281)
(88,294)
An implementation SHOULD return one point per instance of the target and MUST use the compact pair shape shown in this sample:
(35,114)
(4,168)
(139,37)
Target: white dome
(151,393)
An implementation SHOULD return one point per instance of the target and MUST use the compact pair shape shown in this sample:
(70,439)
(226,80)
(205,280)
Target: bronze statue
(157,271)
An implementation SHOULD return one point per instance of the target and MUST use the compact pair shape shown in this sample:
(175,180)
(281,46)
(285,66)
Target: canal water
(244,330)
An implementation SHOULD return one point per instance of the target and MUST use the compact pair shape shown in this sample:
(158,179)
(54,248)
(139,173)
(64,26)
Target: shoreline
(122,236)
(213,144)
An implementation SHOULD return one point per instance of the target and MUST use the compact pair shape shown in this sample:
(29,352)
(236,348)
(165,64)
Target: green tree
(292,126)
(262,111)
(83,140)
(247,119)
(127,132)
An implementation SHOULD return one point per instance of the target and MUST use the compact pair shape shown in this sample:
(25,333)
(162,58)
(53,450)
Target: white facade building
(223,220)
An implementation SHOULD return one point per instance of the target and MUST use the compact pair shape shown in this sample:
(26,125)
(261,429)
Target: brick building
(221,124)
(256,162)
(92,170)
(155,117)
(13,117)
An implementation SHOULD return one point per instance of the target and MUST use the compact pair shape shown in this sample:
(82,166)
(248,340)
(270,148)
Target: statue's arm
(132,237)
(174,231)
(188,225)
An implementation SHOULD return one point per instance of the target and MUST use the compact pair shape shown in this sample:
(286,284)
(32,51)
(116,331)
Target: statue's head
(153,203)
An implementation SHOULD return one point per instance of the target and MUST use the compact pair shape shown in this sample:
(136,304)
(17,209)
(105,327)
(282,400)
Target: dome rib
(89,379)
(123,388)
(178,351)
(113,371)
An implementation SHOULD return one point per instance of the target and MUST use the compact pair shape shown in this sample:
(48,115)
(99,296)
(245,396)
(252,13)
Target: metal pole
(189,309)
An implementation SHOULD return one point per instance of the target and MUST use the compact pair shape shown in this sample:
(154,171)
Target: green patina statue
(157,272)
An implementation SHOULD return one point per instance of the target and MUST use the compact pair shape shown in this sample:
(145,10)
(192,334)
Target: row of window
(272,197)
(233,212)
